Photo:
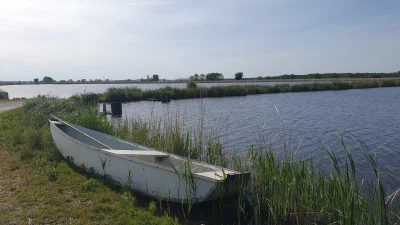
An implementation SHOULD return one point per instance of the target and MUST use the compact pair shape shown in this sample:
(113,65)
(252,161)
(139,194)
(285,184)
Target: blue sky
(124,39)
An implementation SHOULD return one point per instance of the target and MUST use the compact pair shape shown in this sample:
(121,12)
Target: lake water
(305,120)
(67,90)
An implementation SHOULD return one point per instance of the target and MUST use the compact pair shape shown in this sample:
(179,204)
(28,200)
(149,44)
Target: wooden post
(116,108)
(104,108)
(165,97)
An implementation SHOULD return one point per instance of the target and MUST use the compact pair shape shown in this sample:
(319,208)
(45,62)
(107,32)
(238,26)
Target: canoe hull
(143,176)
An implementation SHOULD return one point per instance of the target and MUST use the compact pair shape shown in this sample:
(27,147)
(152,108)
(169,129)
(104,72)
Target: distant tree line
(239,76)
(213,76)
(337,75)
(50,80)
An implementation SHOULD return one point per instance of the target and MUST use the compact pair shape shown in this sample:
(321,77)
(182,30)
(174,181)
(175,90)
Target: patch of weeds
(26,153)
(152,207)
(105,198)
(126,194)
(51,173)
(53,155)
(14,167)
(63,168)
(17,137)
(34,138)
(90,185)
(106,208)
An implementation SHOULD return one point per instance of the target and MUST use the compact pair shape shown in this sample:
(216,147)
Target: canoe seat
(152,153)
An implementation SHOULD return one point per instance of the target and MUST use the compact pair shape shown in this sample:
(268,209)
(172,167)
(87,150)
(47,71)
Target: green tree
(202,77)
(214,76)
(48,80)
(239,76)
(155,77)
(36,80)
(196,77)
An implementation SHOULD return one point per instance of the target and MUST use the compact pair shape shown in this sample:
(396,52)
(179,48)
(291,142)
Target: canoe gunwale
(144,162)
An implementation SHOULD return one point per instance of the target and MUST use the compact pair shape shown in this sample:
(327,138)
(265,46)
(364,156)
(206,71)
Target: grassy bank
(136,94)
(284,191)
(38,187)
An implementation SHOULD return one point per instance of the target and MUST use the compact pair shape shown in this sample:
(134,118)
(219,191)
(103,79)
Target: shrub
(191,84)
(26,153)
(34,139)
(3,94)
(90,185)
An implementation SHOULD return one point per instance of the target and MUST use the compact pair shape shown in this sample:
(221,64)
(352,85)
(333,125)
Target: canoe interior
(110,141)
(171,161)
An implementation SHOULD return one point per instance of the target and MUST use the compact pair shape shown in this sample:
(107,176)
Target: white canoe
(151,172)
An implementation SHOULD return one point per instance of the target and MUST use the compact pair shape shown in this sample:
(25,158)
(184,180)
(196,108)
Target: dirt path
(7,105)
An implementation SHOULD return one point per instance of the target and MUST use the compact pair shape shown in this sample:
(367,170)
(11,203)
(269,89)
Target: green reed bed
(172,137)
(193,91)
(281,191)
(295,192)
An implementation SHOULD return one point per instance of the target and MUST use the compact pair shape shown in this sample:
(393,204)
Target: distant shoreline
(214,81)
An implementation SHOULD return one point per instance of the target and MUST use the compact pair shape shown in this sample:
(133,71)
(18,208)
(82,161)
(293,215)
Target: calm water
(304,119)
(67,90)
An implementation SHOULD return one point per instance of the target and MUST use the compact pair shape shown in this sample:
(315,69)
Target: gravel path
(7,105)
